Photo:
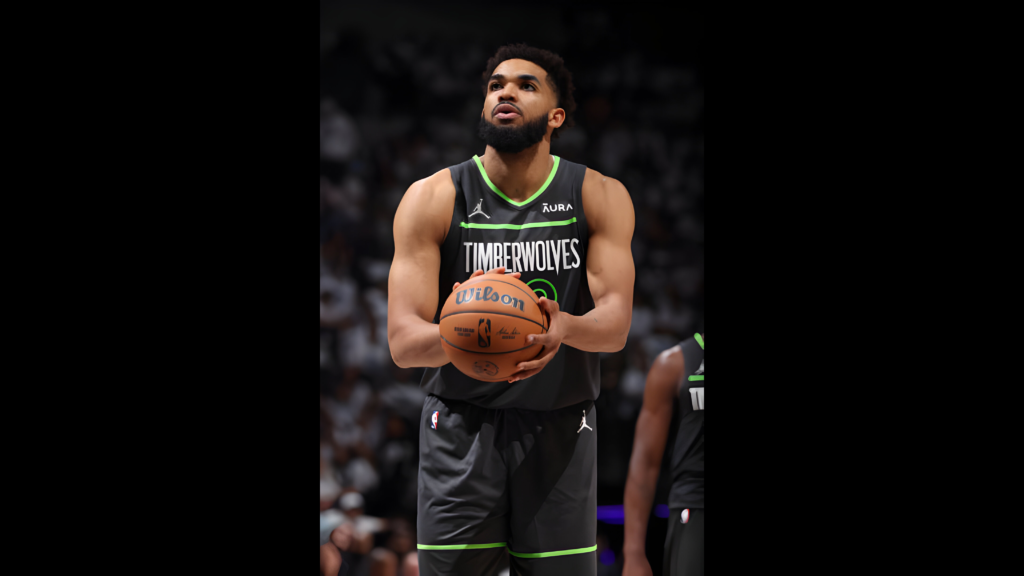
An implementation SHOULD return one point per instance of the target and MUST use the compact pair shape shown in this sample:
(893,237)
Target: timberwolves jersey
(688,453)
(545,239)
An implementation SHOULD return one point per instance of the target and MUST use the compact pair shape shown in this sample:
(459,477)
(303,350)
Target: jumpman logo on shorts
(477,210)
(584,424)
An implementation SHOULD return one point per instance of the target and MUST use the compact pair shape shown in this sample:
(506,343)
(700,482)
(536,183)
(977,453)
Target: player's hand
(636,566)
(498,270)
(550,342)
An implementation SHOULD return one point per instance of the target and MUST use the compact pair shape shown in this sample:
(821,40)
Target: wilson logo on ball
(483,333)
(486,294)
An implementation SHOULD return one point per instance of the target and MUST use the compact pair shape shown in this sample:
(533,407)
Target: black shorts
(520,483)
(684,544)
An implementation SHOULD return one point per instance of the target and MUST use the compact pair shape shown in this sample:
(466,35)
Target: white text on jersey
(555,207)
(522,256)
(697,398)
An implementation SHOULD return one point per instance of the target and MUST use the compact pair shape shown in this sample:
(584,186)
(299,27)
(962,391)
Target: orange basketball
(484,325)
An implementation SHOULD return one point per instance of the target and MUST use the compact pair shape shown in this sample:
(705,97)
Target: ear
(556,117)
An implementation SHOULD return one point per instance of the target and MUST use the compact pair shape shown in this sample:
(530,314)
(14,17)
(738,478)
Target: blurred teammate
(507,465)
(677,376)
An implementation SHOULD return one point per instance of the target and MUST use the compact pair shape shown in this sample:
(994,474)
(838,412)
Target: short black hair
(559,77)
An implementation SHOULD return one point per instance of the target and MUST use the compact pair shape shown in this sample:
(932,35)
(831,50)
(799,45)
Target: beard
(513,139)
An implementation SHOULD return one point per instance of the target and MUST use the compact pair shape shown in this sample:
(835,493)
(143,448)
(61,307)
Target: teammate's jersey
(688,454)
(545,239)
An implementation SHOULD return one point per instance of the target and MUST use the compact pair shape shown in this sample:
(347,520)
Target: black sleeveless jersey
(688,453)
(545,239)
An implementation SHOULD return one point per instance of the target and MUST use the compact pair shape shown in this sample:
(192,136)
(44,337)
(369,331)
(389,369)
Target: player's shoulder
(596,183)
(426,207)
(663,377)
(436,187)
(670,359)
(606,203)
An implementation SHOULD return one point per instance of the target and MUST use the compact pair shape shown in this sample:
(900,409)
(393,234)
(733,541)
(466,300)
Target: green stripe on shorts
(556,553)
(460,546)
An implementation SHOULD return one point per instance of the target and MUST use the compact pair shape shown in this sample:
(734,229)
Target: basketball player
(677,376)
(511,465)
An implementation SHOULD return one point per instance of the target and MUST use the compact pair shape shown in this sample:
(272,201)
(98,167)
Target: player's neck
(520,175)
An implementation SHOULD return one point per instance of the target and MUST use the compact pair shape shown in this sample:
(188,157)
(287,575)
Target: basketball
(484,325)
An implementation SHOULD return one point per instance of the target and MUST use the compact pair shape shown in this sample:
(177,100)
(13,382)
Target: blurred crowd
(394,112)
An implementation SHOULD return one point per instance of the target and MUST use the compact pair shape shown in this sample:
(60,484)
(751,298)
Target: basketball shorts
(684,544)
(515,484)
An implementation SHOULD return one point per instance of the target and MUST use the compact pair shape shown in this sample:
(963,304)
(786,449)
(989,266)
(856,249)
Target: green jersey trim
(699,340)
(483,173)
(696,377)
(460,546)
(557,553)
(516,226)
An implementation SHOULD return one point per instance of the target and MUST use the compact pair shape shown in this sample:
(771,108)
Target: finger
(549,306)
(471,276)
(541,339)
(546,354)
(531,366)
(521,375)
(498,270)
(516,274)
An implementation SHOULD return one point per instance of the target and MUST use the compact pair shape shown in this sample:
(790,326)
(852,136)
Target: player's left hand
(550,342)
(500,270)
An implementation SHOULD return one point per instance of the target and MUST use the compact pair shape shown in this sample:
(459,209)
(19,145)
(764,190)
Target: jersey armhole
(577,197)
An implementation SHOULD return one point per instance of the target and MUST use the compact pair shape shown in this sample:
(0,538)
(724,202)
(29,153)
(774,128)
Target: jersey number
(697,398)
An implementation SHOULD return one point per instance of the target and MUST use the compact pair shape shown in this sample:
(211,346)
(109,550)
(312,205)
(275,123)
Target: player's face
(517,93)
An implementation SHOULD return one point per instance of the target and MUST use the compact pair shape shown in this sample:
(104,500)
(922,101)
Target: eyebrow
(521,77)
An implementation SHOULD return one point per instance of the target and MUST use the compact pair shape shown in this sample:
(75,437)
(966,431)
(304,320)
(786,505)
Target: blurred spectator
(338,134)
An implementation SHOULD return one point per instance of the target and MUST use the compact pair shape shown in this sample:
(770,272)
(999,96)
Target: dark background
(399,100)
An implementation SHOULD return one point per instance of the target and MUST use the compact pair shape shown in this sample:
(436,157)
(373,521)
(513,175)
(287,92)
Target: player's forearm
(640,486)
(603,329)
(417,344)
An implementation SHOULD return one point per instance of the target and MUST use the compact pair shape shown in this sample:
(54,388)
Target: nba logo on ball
(433,420)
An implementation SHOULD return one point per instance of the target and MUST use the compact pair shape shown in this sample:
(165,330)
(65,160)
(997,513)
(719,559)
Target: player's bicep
(610,272)
(610,269)
(412,281)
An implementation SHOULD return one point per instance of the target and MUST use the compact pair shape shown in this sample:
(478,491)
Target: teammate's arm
(645,462)
(610,272)
(421,223)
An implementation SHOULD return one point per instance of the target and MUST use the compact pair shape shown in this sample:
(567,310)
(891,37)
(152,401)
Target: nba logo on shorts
(433,420)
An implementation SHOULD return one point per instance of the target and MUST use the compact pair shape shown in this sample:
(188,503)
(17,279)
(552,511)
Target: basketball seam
(497,313)
(481,352)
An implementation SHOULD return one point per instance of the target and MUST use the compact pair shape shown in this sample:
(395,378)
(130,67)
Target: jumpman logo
(477,210)
(584,424)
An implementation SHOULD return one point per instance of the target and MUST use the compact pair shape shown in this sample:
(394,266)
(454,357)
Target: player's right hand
(636,566)
(498,270)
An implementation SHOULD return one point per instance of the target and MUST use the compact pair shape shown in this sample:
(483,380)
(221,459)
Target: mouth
(506,112)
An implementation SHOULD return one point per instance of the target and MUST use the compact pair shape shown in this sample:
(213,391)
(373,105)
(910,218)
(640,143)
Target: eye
(495,84)
(530,86)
